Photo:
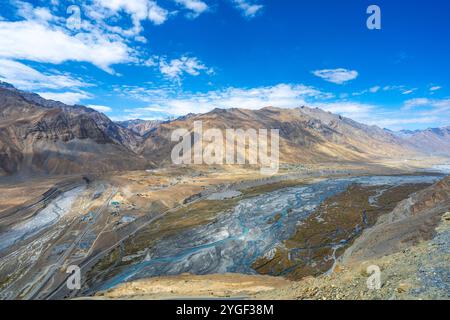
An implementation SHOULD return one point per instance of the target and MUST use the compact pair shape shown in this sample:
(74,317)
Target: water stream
(42,220)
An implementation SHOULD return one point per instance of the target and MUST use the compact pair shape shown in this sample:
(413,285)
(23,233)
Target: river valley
(247,237)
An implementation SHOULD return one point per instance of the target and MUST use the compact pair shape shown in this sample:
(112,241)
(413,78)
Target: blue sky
(154,59)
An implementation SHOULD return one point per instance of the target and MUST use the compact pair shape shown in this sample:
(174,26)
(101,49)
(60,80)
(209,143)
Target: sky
(158,59)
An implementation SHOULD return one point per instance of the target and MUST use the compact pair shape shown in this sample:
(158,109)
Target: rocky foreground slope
(412,221)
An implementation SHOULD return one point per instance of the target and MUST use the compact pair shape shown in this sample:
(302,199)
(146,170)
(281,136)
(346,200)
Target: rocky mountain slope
(140,127)
(413,220)
(433,141)
(38,135)
(306,135)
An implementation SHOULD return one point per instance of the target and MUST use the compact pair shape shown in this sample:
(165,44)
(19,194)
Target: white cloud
(370,90)
(27,11)
(338,76)
(136,8)
(69,98)
(348,109)
(170,102)
(400,88)
(27,78)
(409,91)
(365,113)
(416,102)
(391,88)
(437,110)
(103,109)
(30,40)
(46,38)
(443,104)
(377,115)
(375,89)
(196,6)
(248,7)
(174,69)
(156,14)
(105,15)
(399,122)
(437,105)
(435,88)
(281,95)
(139,10)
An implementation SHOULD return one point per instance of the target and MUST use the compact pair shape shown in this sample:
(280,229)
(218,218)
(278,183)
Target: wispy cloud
(249,8)
(400,88)
(139,10)
(103,109)
(437,105)
(371,114)
(100,37)
(181,103)
(97,37)
(172,101)
(374,89)
(175,69)
(164,103)
(409,91)
(34,41)
(196,7)
(353,110)
(393,87)
(69,98)
(27,78)
(435,88)
(338,76)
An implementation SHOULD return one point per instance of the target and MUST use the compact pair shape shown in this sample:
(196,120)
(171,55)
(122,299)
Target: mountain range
(39,135)
(45,136)
(432,141)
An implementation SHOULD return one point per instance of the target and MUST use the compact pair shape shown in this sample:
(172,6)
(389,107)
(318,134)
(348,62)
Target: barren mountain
(38,135)
(433,141)
(306,135)
(140,127)
(413,220)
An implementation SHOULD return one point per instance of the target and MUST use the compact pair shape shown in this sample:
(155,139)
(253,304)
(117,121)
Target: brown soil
(187,285)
